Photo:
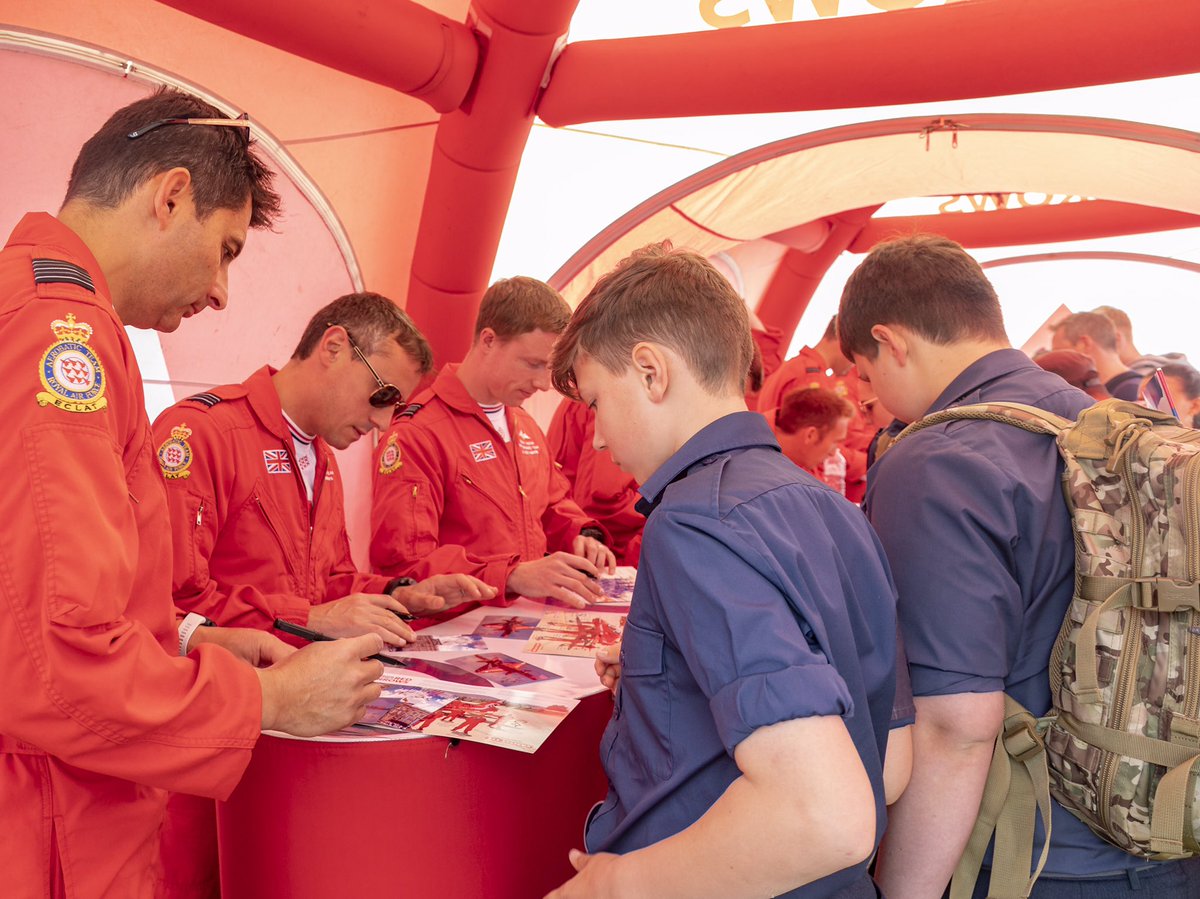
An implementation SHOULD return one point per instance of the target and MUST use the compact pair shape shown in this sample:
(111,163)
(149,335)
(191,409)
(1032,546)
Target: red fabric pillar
(792,287)
(476,155)
(958,51)
(397,43)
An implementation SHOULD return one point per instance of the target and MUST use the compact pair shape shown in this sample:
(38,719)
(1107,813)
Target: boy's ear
(892,340)
(649,364)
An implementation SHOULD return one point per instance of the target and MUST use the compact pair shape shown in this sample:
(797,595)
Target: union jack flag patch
(483,450)
(277,461)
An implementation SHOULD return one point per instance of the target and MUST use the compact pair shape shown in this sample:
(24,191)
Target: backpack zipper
(1131,644)
(1191,501)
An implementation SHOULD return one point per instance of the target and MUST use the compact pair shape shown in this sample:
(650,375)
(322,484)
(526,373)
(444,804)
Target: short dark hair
(225,167)
(671,297)
(371,318)
(811,407)
(926,283)
(515,306)
(1096,326)
(1188,376)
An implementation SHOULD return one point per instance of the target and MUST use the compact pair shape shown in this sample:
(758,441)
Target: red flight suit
(100,715)
(602,489)
(451,496)
(770,350)
(808,369)
(249,547)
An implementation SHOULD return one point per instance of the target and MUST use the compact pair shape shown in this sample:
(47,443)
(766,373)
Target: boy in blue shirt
(745,751)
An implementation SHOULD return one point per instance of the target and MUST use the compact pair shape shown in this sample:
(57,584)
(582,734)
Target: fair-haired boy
(744,753)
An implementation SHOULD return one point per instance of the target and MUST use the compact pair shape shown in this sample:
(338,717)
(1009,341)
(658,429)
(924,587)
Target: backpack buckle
(1021,739)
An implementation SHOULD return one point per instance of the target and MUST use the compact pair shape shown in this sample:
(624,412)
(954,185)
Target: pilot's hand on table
(568,578)
(321,687)
(596,553)
(254,647)
(608,665)
(444,591)
(362,613)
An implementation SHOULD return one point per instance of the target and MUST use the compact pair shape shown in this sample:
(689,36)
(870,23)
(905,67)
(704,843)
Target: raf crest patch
(175,454)
(389,459)
(71,373)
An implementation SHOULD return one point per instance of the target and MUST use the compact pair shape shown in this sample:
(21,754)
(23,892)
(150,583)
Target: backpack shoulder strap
(1029,418)
(1017,790)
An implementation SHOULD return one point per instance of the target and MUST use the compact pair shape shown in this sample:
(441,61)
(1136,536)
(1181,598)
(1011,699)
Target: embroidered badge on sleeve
(71,373)
(389,459)
(175,454)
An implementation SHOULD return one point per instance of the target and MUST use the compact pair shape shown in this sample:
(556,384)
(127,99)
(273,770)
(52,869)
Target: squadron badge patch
(175,454)
(71,373)
(389,459)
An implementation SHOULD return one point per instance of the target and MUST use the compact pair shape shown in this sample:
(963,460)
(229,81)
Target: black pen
(317,637)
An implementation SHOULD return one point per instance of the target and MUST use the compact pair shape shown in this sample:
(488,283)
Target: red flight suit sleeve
(563,518)
(200,506)
(568,430)
(406,512)
(83,680)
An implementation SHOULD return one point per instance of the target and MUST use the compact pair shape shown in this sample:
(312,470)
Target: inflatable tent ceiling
(425,146)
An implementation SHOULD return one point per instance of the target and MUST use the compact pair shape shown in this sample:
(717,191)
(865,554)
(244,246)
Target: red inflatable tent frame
(517,73)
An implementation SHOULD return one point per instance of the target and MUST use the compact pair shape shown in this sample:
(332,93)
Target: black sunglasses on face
(385,394)
(242,122)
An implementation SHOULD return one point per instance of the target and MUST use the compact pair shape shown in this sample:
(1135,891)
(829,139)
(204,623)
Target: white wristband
(187,627)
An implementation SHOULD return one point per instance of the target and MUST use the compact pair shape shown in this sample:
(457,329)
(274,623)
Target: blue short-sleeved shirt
(762,596)
(979,538)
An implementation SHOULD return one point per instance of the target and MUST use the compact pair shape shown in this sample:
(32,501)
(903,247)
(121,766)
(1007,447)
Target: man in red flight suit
(825,366)
(259,523)
(464,479)
(100,713)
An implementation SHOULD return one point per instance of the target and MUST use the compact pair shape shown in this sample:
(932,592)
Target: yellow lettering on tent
(889,5)
(708,12)
(781,10)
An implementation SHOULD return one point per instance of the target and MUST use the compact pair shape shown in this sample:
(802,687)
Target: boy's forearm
(929,826)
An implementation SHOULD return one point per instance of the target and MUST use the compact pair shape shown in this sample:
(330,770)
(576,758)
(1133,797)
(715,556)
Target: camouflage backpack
(1120,745)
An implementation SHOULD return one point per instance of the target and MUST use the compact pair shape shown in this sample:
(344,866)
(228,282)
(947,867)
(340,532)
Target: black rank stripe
(56,271)
(204,399)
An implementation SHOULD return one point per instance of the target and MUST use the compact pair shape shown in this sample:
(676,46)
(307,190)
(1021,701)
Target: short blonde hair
(671,297)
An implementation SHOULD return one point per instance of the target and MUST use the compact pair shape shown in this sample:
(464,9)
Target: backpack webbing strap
(1029,418)
(1171,795)
(1018,785)
(1171,810)
(1156,594)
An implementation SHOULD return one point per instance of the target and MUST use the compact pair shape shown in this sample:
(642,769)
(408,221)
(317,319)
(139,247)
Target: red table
(421,818)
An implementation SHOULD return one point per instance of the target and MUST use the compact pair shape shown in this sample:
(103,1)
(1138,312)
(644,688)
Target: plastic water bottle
(834,471)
